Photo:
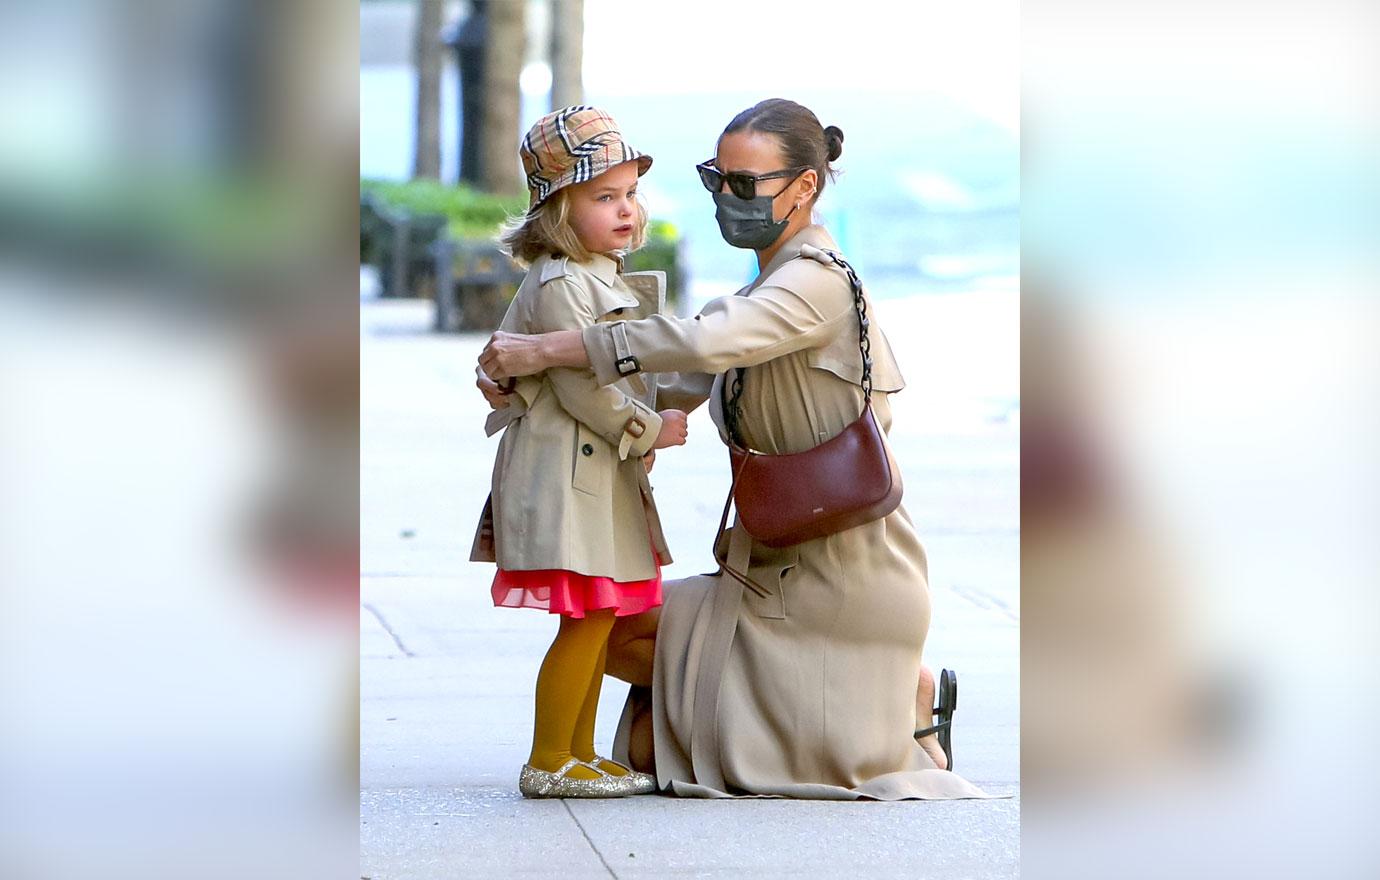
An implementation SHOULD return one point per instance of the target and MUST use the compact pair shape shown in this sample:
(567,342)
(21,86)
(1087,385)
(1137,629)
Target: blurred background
(178,439)
(1199,505)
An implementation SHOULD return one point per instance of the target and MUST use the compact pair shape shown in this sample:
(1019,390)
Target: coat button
(587,449)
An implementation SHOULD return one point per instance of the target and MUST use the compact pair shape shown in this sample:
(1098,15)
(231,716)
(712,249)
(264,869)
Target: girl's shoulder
(550,268)
(550,277)
(597,272)
(566,290)
(544,270)
(556,275)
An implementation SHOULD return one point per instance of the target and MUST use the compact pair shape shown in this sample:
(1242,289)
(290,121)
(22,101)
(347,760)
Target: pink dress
(571,593)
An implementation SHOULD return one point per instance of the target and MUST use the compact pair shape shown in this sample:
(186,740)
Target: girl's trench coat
(808,691)
(569,488)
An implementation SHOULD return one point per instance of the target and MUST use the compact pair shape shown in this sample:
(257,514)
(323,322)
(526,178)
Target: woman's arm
(801,308)
(732,331)
(683,391)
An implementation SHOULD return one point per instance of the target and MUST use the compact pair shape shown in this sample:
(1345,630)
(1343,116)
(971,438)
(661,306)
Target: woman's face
(753,152)
(603,211)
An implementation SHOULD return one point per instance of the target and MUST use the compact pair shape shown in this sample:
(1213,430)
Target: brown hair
(803,140)
(546,229)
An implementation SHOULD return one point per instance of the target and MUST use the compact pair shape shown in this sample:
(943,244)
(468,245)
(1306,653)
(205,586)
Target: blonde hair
(547,230)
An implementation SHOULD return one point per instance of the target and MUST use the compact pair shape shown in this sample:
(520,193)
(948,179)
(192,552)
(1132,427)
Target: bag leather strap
(731,414)
(738,539)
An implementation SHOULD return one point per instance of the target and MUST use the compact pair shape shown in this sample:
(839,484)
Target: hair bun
(833,142)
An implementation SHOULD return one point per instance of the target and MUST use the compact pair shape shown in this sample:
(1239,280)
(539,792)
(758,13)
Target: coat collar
(649,288)
(605,268)
(814,235)
(609,293)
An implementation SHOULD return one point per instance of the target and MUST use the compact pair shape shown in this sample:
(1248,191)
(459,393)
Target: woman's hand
(492,393)
(512,354)
(673,431)
(649,459)
(516,354)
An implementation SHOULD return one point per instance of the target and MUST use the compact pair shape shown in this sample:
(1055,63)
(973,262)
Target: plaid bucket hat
(573,145)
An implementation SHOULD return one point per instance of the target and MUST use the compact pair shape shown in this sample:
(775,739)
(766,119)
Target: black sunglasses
(741,184)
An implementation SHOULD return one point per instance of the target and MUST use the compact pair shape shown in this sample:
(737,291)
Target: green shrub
(471,214)
(660,252)
(475,215)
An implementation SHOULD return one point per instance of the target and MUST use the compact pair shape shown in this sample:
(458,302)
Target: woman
(810,690)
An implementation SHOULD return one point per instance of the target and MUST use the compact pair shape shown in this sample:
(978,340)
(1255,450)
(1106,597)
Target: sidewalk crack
(985,600)
(386,628)
(566,804)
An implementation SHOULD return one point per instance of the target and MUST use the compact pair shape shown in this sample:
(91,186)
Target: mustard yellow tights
(568,696)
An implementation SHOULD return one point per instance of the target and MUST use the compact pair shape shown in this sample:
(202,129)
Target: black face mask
(748,223)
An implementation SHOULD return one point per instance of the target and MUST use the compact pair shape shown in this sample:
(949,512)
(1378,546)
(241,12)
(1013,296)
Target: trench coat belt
(728,602)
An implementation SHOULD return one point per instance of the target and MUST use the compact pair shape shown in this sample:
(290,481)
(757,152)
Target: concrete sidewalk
(446,701)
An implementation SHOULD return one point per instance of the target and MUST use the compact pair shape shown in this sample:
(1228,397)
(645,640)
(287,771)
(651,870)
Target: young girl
(570,521)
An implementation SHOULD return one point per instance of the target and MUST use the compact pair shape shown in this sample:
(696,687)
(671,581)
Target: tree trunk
(427,58)
(498,147)
(567,53)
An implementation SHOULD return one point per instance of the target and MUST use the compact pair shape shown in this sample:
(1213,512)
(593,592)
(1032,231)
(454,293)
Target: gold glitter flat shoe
(534,783)
(638,782)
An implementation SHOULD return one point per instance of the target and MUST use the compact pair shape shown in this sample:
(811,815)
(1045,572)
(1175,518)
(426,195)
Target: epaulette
(556,267)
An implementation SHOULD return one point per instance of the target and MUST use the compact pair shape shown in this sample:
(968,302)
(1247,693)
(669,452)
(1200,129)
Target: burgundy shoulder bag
(844,482)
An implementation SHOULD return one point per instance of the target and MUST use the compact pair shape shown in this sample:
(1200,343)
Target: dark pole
(469,41)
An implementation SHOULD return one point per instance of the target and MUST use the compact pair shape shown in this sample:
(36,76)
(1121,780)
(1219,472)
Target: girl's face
(603,211)
(753,152)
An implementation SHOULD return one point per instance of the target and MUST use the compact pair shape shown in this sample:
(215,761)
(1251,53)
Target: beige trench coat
(808,691)
(569,489)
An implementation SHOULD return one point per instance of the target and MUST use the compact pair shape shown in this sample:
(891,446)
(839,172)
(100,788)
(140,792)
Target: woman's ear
(809,184)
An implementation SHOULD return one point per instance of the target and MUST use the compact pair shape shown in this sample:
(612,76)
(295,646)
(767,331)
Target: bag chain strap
(732,412)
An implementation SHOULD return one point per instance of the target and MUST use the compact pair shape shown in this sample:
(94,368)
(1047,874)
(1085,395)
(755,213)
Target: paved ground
(446,703)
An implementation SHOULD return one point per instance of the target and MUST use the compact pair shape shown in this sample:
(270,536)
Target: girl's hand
(673,431)
(492,393)
(512,354)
